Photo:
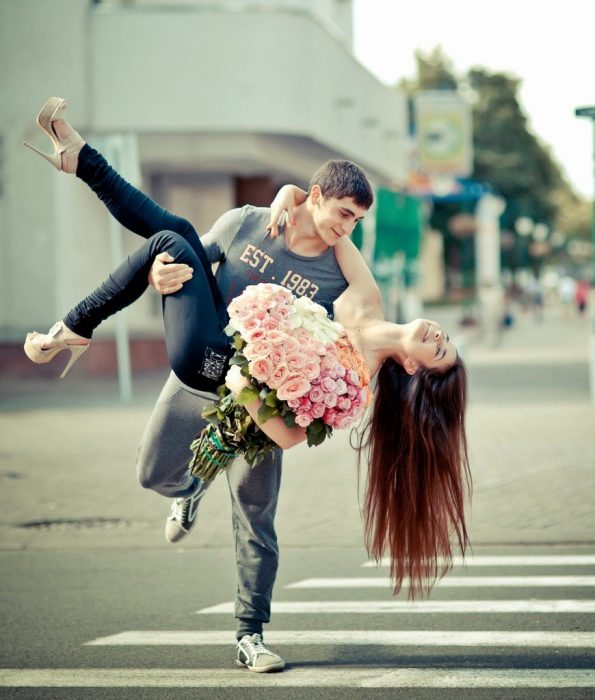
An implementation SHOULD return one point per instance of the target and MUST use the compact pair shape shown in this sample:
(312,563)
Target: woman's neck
(376,340)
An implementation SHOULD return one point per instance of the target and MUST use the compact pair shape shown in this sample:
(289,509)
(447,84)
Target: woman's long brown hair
(418,472)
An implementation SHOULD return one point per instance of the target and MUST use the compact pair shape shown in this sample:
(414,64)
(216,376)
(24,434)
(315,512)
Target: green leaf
(247,395)
(315,433)
(265,412)
(239,360)
(251,454)
(271,399)
(289,419)
(209,410)
(237,342)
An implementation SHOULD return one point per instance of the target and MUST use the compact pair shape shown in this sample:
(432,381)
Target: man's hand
(167,277)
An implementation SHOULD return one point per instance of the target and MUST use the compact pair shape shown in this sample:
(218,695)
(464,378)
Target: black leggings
(195,316)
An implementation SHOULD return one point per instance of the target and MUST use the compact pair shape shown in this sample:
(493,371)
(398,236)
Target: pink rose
(341,386)
(341,371)
(293,387)
(239,312)
(330,399)
(351,391)
(290,345)
(342,422)
(278,376)
(303,420)
(328,362)
(343,403)
(293,403)
(280,313)
(329,416)
(316,394)
(311,370)
(260,369)
(270,324)
(277,355)
(352,377)
(276,336)
(261,348)
(318,347)
(305,403)
(254,335)
(295,362)
(318,410)
(328,384)
(252,323)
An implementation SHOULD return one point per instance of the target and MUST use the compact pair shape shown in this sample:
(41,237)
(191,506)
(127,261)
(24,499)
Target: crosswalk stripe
(426,606)
(452,582)
(508,560)
(346,677)
(444,638)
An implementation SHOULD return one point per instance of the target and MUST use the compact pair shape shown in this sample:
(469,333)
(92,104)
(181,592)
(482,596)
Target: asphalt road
(81,610)
(94,604)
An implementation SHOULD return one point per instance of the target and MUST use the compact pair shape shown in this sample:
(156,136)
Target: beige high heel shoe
(66,149)
(56,340)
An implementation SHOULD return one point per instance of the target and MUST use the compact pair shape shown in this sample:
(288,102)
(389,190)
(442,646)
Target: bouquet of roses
(301,366)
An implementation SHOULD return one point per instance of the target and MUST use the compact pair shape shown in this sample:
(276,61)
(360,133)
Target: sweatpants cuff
(246,626)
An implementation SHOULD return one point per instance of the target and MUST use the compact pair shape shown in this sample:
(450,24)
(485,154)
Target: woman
(417,465)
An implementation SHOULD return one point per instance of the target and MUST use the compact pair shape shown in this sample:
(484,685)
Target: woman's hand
(288,197)
(235,380)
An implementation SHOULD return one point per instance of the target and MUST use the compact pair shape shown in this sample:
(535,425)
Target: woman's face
(427,345)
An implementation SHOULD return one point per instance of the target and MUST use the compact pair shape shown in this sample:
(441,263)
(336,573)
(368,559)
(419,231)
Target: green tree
(508,156)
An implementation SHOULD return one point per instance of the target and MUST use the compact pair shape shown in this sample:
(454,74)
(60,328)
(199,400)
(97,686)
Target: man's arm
(362,299)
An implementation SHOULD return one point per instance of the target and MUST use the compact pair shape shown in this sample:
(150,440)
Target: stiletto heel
(66,149)
(75,352)
(55,338)
(53,158)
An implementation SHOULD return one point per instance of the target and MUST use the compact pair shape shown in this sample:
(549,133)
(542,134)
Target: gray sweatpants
(162,466)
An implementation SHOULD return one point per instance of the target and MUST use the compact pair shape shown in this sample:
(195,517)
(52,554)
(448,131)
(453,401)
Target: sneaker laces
(179,508)
(255,644)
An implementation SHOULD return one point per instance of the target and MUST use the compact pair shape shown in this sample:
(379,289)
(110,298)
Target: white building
(226,101)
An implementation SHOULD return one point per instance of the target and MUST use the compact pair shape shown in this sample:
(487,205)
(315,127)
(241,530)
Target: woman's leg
(132,208)
(194,317)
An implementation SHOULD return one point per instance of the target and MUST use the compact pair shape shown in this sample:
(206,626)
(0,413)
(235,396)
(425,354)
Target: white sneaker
(182,517)
(253,654)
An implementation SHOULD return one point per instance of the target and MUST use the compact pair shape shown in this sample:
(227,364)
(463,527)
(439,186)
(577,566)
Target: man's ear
(410,366)
(315,194)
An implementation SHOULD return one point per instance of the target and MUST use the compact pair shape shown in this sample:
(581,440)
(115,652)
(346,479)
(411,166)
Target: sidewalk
(68,447)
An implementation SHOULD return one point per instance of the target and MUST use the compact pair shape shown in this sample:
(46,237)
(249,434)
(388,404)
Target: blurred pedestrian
(566,295)
(581,296)
(535,296)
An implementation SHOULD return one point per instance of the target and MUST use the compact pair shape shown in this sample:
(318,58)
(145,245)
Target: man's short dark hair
(342,178)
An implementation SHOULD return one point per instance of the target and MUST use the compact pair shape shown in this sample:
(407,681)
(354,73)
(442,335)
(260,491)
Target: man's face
(334,218)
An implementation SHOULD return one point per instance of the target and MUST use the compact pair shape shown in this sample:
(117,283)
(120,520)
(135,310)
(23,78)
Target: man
(301,258)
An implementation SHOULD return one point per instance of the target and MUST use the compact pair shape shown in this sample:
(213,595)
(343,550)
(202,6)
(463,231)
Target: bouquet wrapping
(300,365)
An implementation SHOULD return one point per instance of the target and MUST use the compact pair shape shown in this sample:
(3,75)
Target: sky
(549,46)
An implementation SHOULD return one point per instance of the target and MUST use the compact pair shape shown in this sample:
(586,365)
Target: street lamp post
(590,113)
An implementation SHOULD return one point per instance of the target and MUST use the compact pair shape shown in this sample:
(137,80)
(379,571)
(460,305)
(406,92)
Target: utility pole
(590,113)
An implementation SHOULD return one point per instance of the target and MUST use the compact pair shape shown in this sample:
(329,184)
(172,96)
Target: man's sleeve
(217,240)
